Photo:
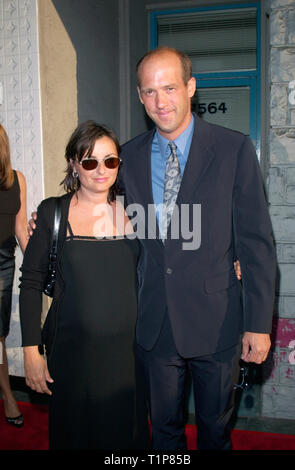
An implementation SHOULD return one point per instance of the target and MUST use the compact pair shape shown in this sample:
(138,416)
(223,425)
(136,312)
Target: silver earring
(76,180)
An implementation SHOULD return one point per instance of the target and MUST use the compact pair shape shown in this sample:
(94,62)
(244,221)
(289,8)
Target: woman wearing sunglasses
(96,393)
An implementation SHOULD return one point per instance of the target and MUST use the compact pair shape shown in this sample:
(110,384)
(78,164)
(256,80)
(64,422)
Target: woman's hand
(36,371)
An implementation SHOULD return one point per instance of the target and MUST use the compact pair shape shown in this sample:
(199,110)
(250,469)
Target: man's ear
(191,86)
(139,94)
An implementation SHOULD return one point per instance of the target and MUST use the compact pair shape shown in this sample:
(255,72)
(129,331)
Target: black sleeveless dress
(97,397)
(9,207)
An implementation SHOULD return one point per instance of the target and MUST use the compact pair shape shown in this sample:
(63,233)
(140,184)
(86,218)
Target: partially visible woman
(13,225)
(96,392)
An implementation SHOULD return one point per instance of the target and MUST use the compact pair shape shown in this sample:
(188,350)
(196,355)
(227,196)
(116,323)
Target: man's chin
(164,123)
(164,127)
(166,132)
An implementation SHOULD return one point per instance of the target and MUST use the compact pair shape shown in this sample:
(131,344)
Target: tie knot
(172,146)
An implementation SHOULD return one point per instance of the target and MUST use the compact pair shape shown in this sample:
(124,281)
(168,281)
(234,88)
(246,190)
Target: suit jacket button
(169,271)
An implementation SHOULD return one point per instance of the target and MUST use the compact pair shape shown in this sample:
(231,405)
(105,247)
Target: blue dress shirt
(159,156)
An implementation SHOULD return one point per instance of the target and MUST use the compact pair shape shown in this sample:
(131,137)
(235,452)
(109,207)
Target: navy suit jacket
(208,307)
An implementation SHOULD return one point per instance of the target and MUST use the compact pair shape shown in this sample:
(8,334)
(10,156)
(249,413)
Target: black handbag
(50,279)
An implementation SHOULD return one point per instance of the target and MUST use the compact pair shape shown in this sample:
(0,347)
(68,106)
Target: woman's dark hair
(81,145)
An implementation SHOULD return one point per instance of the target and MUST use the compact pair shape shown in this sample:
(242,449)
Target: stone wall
(278,391)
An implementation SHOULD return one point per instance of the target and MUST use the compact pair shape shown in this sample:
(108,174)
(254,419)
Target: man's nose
(161,99)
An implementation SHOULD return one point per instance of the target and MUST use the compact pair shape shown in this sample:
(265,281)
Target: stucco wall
(58,81)
(93,27)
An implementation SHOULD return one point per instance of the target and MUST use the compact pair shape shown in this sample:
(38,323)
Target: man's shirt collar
(180,141)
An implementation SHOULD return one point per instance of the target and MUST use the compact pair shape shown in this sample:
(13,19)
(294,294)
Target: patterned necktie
(171,188)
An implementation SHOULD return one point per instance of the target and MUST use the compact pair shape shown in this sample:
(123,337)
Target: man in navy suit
(192,311)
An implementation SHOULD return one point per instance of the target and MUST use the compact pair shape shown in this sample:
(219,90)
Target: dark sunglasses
(110,162)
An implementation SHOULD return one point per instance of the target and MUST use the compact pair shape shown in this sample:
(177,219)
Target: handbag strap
(56,224)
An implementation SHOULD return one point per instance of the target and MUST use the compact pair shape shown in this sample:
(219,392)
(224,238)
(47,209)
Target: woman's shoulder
(20,176)
(21,180)
(48,205)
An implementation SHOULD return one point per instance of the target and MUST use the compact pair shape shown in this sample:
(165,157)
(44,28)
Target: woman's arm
(34,270)
(21,232)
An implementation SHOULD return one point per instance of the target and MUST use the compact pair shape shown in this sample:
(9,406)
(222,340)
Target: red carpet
(33,436)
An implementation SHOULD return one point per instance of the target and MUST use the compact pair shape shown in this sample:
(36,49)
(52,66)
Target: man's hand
(31,224)
(255,347)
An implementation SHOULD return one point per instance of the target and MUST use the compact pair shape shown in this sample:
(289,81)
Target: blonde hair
(6,172)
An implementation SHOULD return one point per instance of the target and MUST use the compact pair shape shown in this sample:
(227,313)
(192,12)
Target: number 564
(212,108)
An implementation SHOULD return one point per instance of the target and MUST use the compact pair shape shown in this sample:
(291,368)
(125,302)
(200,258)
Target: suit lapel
(200,157)
(143,173)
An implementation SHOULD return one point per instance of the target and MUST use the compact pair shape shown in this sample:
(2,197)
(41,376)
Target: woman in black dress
(13,225)
(96,394)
